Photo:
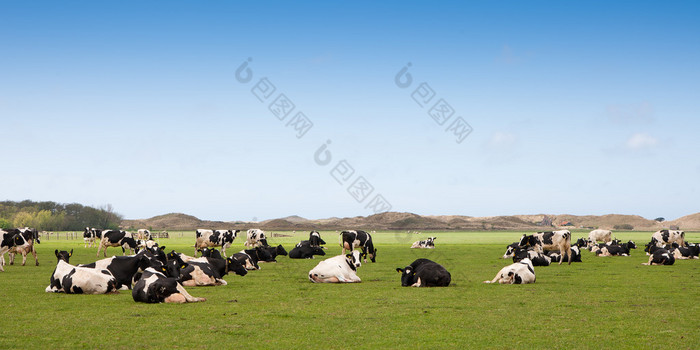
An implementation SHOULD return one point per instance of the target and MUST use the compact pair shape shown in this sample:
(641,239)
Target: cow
(112,238)
(9,239)
(155,287)
(426,244)
(255,238)
(537,258)
(143,234)
(63,255)
(182,256)
(510,250)
(250,257)
(129,244)
(520,272)
(305,251)
(338,269)
(575,251)
(223,266)
(146,244)
(581,243)
(124,268)
(207,271)
(682,253)
(214,238)
(315,239)
(30,235)
(549,240)
(424,273)
(211,253)
(70,279)
(274,252)
(600,235)
(90,235)
(664,237)
(359,239)
(660,256)
(616,249)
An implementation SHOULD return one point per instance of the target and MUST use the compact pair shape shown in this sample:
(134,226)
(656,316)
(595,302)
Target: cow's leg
(187,296)
(99,247)
(24,257)
(12,258)
(568,250)
(35,258)
(417,284)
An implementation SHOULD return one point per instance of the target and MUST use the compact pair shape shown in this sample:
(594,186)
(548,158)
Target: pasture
(602,302)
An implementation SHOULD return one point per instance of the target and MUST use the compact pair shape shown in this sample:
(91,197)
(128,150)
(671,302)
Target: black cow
(424,273)
(315,239)
(305,251)
(274,252)
(359,239)
(660,256)
(124,268)
(63,255)
(130,244)
(155,287)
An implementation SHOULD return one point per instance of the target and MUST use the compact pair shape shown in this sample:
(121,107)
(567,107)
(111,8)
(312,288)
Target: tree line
(52,216)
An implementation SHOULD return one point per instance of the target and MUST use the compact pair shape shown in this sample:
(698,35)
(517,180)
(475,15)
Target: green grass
(600,303)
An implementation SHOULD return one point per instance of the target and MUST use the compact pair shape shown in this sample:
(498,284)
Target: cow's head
(525,240)
(236,267)
(317,251)
(373,255)
(510,251)
(280,250)
(172,268)
(631,245)
(63,255)
(407,276)
(354,259)
(263,254)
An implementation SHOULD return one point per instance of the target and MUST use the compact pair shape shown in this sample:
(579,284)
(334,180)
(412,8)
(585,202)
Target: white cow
(143,234)
(520,272)
(71,279)
(664,237)
(338,269)
(600,235)
(255,238)
(426,244)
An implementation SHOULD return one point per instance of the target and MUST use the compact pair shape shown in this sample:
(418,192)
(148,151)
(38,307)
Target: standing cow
(10,239)
(664,237)
(549,240)
(214,238)
(358,239)
(600,235)
(113,238)
(255,238)
(30,236)
(90,235)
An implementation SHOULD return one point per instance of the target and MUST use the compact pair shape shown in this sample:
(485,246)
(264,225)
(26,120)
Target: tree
(659,219)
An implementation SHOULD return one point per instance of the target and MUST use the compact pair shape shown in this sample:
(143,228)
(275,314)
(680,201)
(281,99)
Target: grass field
(611,302)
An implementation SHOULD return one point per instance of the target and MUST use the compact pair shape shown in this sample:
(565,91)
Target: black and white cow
(274,252)
(600,235)
(129,244)
(664,237)
(70,279)
(575,251)
(424,273)
(359,239)
(63,255)
(155,287)
(207,271)
(520,272)
(11,238)
(143,234)
(223,266)
(214,238)
(682,253)
(338,269)
(255,238)
(182,256)
(660,256)
(31,236)
(537,258)
(211,253)
(112,238)
(124,268)
(315,239)
(510,250)
(616,249)
(90,235)
(550,240)
(426,244)
(305,251)
(250,257)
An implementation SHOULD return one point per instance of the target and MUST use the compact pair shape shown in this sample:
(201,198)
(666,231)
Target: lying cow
(255,238)
(112,238)
(426,244)
(274,252)
(315,239)
(250,257)
(359,239)
(616,249)
(70,279)
(155,287)
(305,251)
(664,237)
(550,240)
(537,258)
(208,271)
(214,238)
(424,273)
(682,253)
(9,239)
(520,272)
(600,235)
(30,236)
(510,250)
(660,256)
(338,269)
(124,268)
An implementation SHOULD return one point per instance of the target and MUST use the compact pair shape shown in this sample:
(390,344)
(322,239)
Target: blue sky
(579,108)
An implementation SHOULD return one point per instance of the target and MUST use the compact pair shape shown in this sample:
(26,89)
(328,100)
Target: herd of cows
(155,277)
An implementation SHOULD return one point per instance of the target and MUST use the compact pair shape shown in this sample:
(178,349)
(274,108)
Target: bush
(623,227)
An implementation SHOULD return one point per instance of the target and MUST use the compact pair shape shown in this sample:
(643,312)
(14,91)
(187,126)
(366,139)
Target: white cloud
(641,141)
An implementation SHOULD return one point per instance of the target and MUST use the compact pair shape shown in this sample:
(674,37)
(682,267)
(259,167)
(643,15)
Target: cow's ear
(348,255)
(162,248)
(56,252)
(71,253)
(399,270)
(183,266)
